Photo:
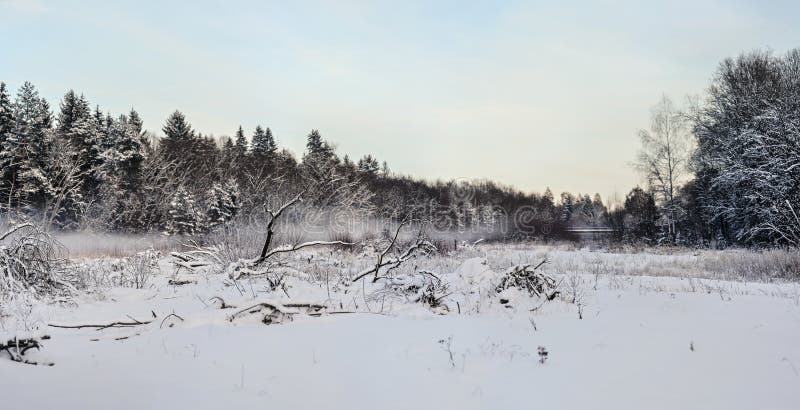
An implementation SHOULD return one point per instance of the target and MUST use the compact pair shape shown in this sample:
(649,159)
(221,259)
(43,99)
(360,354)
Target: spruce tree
(271,146)
(263,145)
(314,143)
(6,155)
(135,122)
(178,135)
(26,148)
(241,143)
(259,145)
(222,203)
(368,165)
(184,217)
(73,108)
(80,131)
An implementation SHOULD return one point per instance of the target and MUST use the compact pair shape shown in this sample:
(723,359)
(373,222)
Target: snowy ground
(643,342)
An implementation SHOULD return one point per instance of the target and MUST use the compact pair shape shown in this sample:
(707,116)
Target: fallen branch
(134,322)
(16,349)
(167,317)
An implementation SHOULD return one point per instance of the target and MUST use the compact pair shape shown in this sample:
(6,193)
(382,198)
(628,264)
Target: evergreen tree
(6,112)
(178,135)
(368,165)
(263,146)
(241,143)
(641,216)
(135,122)
(548,198)
(567,203)
(122,156)
(73,108)
(228,148)
(314,143)
(184,217)
(222,203)
(82,133)
(6,156)
(25,149)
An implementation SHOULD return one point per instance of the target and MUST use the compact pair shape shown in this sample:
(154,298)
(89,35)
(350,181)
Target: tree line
(723,170)
(81,168)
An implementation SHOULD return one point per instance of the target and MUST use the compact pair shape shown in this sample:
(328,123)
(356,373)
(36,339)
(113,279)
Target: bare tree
(664,157)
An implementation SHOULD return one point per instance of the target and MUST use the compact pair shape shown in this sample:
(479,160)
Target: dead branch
(222,304)
(132,323)
(16,349)
(277,311)
(301,246)
(395,263)
(180,282)
(270,225)
(167,317)
(259,306)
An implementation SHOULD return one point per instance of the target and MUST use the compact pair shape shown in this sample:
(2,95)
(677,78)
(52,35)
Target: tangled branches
(421,245)
(527,278)
(31,261)
(423,287)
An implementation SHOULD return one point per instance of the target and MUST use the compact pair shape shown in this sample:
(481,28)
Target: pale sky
(531,94)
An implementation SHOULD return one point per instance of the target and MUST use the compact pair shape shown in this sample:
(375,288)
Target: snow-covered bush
(133,271)
(527,278)
(422,287)
(31,261)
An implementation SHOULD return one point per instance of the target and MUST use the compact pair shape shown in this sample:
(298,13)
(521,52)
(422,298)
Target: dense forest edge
(720,170)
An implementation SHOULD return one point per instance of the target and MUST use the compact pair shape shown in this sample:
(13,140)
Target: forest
(720,170)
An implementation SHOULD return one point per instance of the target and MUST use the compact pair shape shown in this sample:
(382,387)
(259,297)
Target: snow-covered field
(650,337)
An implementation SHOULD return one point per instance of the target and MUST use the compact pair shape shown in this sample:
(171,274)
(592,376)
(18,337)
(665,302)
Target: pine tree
(178,135)
(263,146)
(314,143)
(368,165)
(81,132)
(228,148)
(184,217)
(6,111)
(73,108)
(567,203)
(222,203)
(641,216)
(135,122)
(6,155)
(272,147)
(548,198)
(241,143)
(122,156)
(25,149)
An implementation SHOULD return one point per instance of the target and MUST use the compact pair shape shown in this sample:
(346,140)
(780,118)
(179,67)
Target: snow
(644,342)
